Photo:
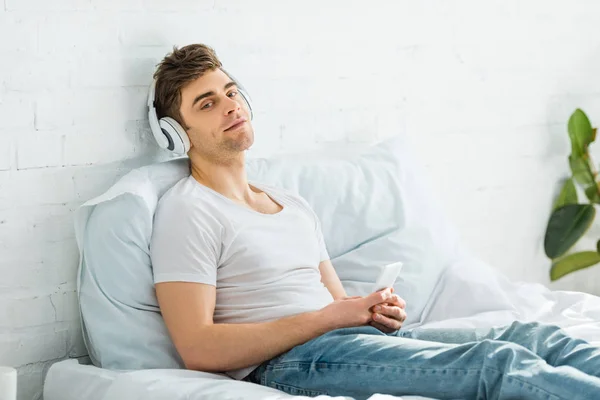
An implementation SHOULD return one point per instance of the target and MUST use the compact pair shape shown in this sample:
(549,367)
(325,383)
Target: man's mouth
(236,124)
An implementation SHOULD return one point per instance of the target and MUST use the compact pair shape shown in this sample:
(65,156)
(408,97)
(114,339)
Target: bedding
(375,207)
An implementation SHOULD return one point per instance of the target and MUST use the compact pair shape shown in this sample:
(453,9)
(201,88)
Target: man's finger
(397,300)
(394,312)
(389,322)
(379,297)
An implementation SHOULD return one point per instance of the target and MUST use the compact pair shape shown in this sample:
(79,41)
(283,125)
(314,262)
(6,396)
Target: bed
(375,208)
(578,313)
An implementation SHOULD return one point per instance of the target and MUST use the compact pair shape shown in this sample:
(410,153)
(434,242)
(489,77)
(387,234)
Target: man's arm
(331,280)
(187,309)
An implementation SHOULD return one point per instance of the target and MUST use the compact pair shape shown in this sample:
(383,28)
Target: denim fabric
(519,361)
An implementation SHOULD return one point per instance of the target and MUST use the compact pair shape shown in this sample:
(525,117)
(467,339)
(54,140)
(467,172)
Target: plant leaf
(580,132)
(566,225)
(581,170)
(591,192)
(568,195)
(572,263)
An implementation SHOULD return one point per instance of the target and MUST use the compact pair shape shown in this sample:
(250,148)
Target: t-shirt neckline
(237,205)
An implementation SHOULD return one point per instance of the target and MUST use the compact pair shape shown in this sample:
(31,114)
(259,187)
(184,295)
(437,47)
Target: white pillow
(121,321)
(373,209)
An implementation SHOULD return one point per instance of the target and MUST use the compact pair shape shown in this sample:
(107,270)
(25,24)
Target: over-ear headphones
(169,134)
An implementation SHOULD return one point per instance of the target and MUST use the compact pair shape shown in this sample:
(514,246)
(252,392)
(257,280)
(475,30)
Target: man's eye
(204,106)
(234,93)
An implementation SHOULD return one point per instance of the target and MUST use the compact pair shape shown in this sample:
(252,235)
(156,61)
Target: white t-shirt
(264,266)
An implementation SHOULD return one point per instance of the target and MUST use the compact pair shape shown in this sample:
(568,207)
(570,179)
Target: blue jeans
(519,361)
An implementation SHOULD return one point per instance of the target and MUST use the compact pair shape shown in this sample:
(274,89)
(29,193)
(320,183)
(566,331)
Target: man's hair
(175,71)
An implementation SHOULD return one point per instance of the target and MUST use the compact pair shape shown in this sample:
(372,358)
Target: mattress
(69,380)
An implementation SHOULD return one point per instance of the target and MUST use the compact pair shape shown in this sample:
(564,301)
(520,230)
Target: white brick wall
(483,88)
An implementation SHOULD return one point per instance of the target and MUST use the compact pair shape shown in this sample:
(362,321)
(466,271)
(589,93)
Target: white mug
(8,383)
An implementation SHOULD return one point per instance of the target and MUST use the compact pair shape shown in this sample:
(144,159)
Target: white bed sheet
(69,380)
(470,294)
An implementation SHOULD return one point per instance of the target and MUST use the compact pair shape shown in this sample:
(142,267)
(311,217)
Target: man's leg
(549,342)
(361,361)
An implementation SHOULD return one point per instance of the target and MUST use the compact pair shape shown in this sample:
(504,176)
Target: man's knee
(507,354)
(532,328)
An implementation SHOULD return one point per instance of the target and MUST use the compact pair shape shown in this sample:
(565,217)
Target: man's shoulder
(182,197)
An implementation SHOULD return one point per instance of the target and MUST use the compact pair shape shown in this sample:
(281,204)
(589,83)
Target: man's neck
(228,178)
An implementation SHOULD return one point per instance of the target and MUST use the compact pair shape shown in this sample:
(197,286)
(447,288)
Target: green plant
(570,219)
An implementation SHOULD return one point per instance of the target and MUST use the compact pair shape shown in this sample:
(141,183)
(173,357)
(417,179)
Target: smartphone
(388,276)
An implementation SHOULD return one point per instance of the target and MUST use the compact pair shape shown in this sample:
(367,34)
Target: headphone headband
(151,93)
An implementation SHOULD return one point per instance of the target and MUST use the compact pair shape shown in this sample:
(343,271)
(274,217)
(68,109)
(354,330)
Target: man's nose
(231,105)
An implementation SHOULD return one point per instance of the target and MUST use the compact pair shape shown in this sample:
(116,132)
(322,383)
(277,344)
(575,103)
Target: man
(245,285)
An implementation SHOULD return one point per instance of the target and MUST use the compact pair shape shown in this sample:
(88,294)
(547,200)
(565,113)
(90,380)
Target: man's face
(210,105)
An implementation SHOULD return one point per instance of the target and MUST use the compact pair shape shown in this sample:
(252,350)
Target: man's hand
(389,315)
(353,311)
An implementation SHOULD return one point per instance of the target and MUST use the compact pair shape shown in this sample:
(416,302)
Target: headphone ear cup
(179,142)
(157,133)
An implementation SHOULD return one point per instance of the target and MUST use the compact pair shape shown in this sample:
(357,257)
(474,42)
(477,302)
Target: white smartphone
(388,276)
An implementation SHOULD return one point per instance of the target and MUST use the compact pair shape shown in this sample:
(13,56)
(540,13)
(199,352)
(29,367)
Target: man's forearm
(225,347)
